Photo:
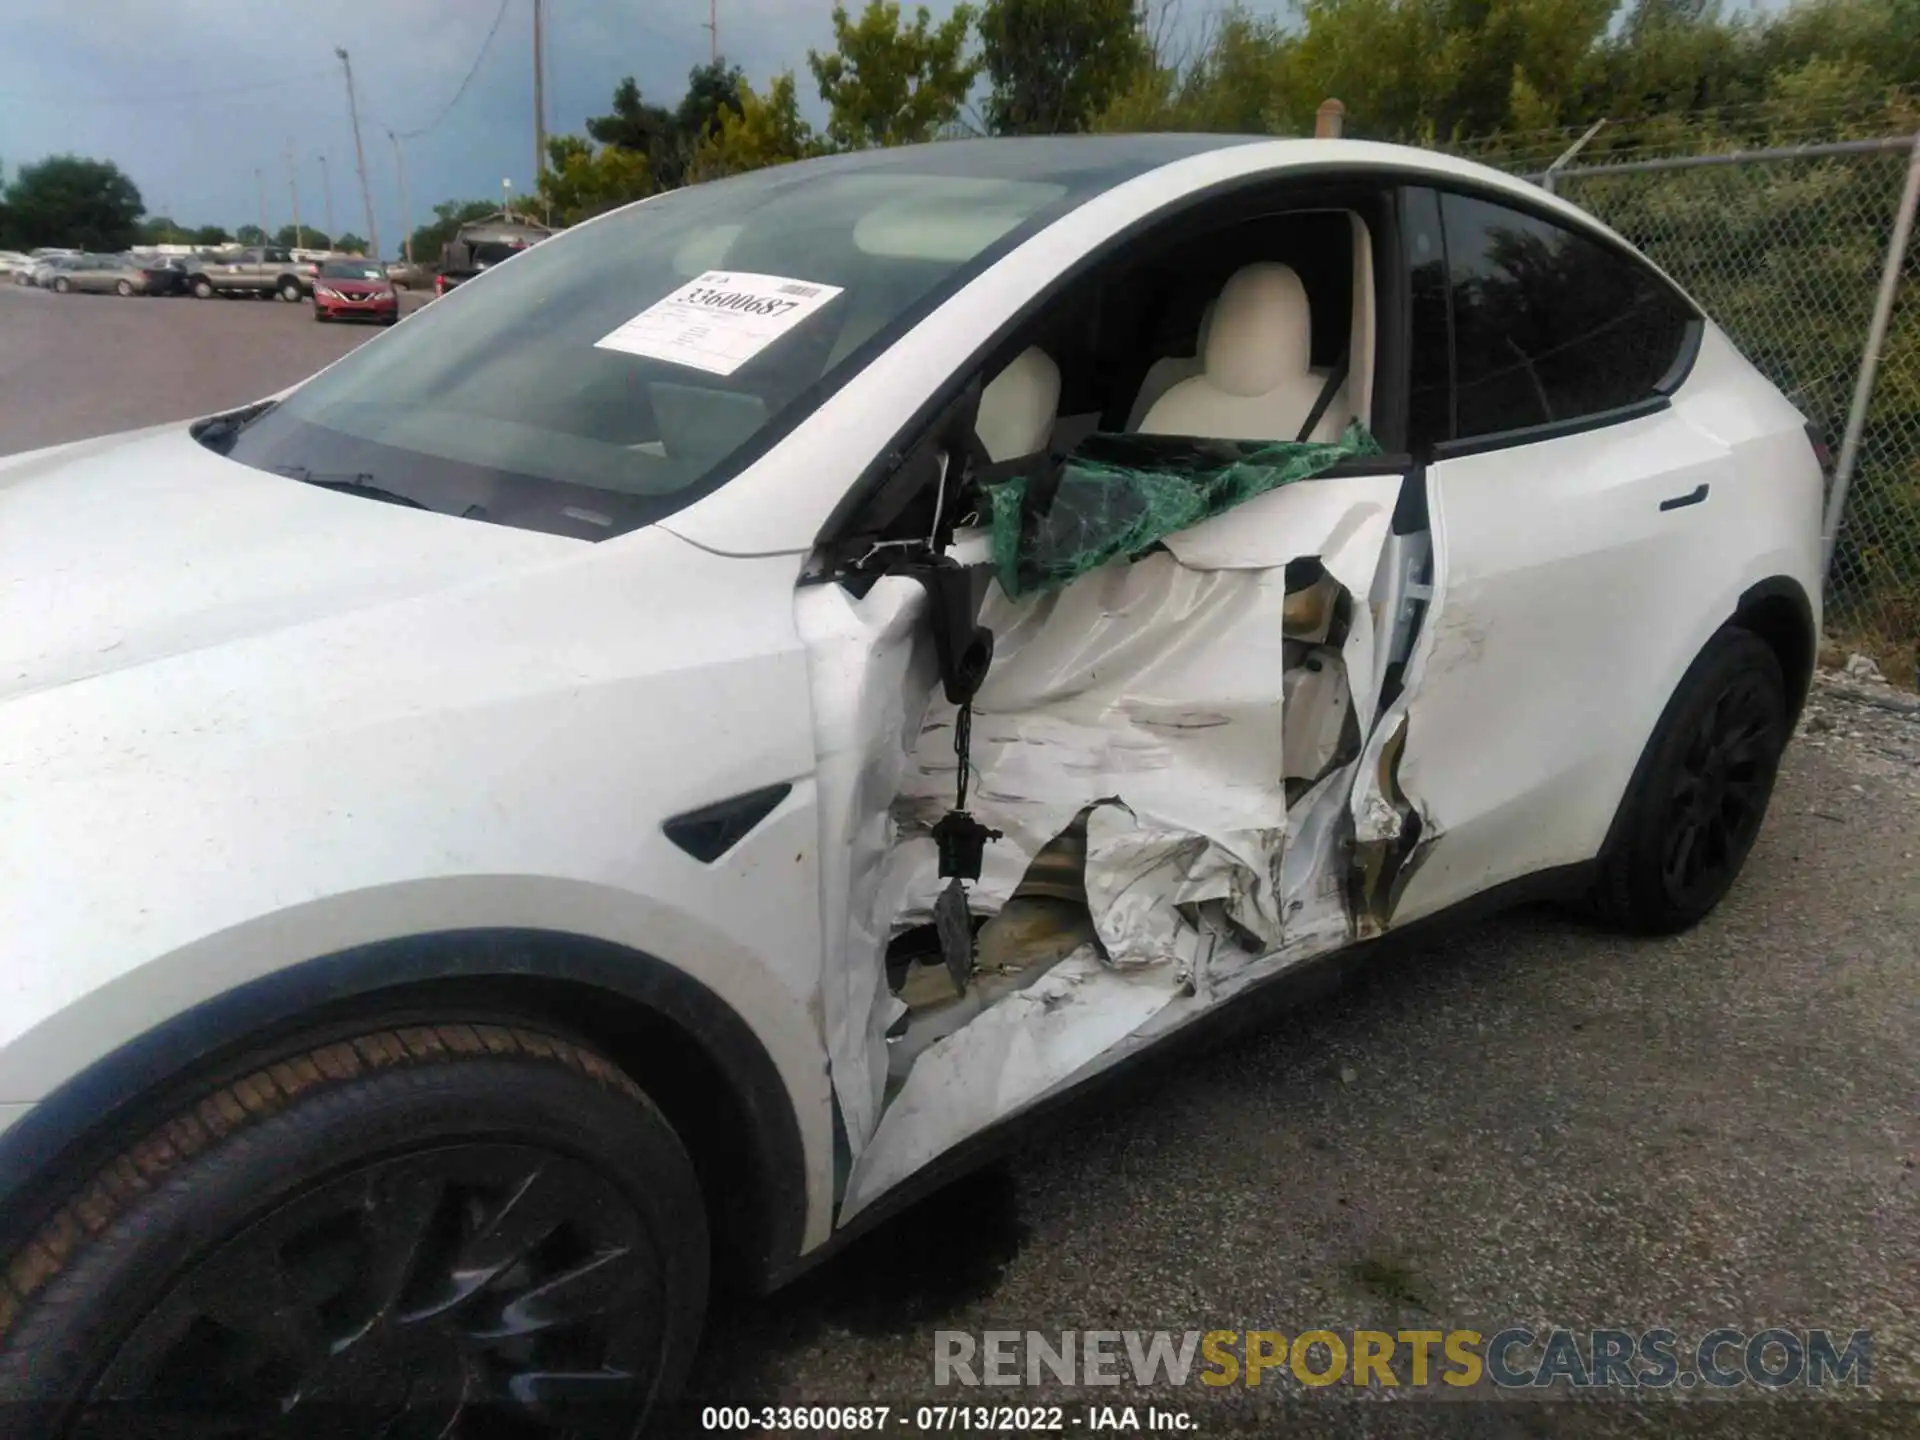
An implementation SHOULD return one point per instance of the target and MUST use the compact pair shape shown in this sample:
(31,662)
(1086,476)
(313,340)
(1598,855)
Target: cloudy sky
(191,97)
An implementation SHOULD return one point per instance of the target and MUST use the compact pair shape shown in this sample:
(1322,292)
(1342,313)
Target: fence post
(1546,180)
(1870,361)
(1327,120)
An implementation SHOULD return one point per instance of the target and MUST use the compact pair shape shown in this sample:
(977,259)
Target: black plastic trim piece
(711,831)
(77,1128)
(1410,514)
(1793,594)
(1692,497)
(1554,430)
(1683,358)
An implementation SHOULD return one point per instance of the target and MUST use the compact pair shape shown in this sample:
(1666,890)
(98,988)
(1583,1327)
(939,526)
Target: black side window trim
(1533,434)
(1667,385)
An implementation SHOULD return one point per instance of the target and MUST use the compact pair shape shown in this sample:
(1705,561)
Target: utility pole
(713,30)
(260,183)
(360,156)
(406,215)
(539,101)
(326,184)
(293,185)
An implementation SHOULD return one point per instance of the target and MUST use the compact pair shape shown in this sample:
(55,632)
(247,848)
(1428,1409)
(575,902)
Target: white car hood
(132,548)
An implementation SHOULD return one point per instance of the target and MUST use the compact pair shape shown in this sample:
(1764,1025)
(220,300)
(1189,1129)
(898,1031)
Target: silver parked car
(260,270)
(103,274)
(46,269)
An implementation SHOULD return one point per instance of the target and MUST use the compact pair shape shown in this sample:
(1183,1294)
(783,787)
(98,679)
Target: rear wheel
(124,287)
(61,285)
(290,290)
(427,1228)
(1697,807)
(202,288)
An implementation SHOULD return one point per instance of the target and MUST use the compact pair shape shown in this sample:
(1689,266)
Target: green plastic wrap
(1119,494)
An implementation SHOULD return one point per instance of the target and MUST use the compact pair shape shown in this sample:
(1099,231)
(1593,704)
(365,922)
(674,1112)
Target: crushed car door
(1162,750)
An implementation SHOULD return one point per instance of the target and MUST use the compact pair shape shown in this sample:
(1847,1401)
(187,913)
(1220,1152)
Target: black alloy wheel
(1719,791)
(469,1230)
(1701,793)
(463,1288)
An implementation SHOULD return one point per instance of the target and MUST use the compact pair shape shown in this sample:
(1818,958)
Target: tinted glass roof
(1086,162)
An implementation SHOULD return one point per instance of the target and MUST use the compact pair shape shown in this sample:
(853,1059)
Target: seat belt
(1325,398)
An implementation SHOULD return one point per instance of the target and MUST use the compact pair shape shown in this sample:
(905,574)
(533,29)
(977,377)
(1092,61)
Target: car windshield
(513,400)
(350,270)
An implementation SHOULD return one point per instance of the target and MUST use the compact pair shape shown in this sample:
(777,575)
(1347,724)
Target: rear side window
(1547,325)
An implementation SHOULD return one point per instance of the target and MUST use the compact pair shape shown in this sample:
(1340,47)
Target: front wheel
(1696,807)
(426,1224)
(61,285)
(290,291)
(202,289)
(123,288)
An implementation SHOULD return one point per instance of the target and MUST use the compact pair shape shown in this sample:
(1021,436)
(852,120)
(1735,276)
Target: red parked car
(354,290)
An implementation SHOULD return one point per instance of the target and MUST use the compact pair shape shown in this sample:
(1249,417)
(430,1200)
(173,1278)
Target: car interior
(1245,322)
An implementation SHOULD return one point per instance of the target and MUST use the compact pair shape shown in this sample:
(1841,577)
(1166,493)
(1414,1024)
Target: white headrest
(1018,406)
(1262,331)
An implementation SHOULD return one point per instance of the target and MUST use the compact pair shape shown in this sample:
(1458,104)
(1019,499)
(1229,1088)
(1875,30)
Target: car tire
(319,315)
(291,292)
(123,288)
(60,285)
(416,1218)
(202,289)
(1698,802)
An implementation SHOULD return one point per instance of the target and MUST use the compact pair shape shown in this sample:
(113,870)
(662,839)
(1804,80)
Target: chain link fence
(1787,248)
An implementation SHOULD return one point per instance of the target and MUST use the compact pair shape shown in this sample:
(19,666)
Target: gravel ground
(1524,1123)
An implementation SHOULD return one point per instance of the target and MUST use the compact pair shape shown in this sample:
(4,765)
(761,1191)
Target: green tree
(250,235)
(71,200)
(351,244)
(581,182)
(209,235)
(637,125)
(162,230)
(306,237)
(713,90)
(761,130)
(1055,64)
(886,83)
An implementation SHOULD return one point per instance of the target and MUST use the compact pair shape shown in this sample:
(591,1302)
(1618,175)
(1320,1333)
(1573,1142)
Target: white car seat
(1255,381)
(1017,407)
(1169,370)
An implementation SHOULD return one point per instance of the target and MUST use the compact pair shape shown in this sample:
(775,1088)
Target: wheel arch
(693,1055)
(1779,611)
(1775,610)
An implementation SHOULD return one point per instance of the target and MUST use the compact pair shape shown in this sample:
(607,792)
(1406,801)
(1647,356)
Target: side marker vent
(712,830)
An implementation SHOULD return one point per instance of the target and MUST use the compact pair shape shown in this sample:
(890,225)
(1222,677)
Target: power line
(485,45)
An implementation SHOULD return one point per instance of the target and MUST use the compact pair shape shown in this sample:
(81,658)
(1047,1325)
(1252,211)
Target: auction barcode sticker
(719,321)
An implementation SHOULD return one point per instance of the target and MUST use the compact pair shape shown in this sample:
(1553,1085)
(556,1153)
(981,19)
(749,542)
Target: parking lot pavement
(72,366)
(1526,1123)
